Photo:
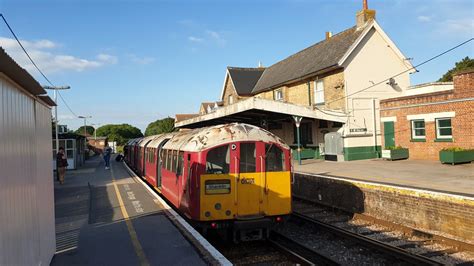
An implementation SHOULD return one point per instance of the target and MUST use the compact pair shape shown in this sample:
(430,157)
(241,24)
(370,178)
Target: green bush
(394,148)
(455,149)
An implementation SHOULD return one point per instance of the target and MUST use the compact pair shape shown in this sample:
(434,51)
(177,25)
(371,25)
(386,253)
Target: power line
(34,64)
(24,50)
(412,68)
(65,103)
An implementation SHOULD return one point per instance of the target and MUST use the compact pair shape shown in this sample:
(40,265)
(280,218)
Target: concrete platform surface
(104,217)
(428,175)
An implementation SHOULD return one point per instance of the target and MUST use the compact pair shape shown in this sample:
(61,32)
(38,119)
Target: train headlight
(221,186)
(218,206)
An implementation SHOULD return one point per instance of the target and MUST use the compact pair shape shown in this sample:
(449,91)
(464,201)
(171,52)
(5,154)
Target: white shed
(27,230)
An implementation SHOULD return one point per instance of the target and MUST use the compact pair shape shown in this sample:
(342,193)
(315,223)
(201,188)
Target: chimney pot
(328,35)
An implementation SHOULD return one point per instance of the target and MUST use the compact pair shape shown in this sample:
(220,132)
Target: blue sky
(138,61)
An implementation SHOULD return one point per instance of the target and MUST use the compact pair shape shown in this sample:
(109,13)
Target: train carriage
(233,177)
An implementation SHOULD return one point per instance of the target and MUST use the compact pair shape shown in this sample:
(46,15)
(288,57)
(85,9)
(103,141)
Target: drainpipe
(309,92)
(374,119)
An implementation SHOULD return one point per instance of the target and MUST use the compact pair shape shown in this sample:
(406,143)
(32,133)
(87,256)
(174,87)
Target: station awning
(259,111)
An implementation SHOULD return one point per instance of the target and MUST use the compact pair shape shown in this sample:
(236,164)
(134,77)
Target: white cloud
(216,37)
(108,59)
(195,39)
(48,59)
(141,60)
(462,25)
(424,18)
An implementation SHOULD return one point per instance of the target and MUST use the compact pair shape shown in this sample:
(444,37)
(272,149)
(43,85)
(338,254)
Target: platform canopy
(260,112)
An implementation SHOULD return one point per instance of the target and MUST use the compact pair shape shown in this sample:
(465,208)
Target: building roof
(47,100)
(11,69)
(320,56)
(206,104)
(181,117)
(244,79)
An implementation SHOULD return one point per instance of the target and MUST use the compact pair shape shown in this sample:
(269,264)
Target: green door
(389,133)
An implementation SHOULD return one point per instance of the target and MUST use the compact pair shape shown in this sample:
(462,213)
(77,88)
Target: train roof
(208,137)
(159,139)
(143,141)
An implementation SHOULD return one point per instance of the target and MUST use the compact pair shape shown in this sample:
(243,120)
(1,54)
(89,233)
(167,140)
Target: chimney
(328,35)
(365,15)
(260,64)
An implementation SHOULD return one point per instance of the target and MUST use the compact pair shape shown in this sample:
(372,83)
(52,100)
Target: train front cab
(245,187)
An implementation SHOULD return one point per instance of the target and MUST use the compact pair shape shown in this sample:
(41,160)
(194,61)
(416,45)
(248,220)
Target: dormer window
(278,95)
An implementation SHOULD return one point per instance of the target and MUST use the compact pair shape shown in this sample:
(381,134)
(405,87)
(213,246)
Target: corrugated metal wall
(27,233)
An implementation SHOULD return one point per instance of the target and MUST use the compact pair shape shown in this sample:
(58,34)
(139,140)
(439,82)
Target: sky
(138,61)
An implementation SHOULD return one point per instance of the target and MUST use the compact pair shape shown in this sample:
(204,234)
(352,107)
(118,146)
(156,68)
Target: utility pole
(55,88)
(85,130)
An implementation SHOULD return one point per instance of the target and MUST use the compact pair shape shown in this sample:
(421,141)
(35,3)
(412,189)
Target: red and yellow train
(233,177)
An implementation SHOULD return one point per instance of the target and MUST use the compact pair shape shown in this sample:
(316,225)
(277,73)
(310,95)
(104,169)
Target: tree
(89,130)
(119,133)
(160,126)
(466,63)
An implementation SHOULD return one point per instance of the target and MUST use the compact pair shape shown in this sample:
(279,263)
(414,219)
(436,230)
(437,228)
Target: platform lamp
(298,123)
(85,130)
(95,130)
(56,88)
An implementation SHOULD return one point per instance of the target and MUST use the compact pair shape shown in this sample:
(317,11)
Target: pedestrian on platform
(61,164)
(107,154)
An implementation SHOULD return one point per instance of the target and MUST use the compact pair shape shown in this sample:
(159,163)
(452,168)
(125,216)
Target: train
(232,178)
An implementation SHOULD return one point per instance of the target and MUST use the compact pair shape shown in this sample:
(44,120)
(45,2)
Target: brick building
(428,122)
(333,85)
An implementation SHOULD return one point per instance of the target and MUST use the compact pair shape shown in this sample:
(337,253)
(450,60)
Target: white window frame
(413,129)
(231,99)
(278,95)
(319,91)
(438,136)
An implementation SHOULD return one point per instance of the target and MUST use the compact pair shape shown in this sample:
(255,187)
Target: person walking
(107,154)
(61,164)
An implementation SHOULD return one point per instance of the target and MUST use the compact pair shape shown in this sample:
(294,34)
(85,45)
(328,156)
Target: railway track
(392,251)
(401,244)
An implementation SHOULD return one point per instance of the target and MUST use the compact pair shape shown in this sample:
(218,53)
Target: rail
(389,249)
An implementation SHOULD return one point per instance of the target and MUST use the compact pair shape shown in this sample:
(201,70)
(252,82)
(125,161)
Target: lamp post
(85,130)
(55,88)
(297,123)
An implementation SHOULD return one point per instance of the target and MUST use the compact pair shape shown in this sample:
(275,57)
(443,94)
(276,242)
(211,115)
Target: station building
(27,225)
(431,117)
(335,86)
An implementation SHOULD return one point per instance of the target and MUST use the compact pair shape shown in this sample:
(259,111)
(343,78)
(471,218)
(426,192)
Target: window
(319,92)
(231,99)
(175,161)
(274,159)
(278,95)
(247,157)
(418,129)
(306,134)
(336,124)
(217,160)
(443,128)
(323,123)
(179,170)
(168,160)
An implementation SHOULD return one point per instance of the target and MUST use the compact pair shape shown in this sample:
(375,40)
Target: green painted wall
(362,153)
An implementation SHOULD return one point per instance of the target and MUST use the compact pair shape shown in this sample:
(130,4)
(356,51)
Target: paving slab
(104,217)
(420,174)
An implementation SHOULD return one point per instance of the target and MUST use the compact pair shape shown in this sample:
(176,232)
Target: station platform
(423,195)
(427,175)
(106,217)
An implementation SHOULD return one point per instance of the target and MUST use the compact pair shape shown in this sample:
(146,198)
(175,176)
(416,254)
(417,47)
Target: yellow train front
(244,181)
(233,178)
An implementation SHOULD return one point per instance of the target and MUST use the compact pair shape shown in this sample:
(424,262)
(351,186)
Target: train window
(179,170)
(169,160)
(247,157)
(165,159)
(217,160)
(274,159)
(175,161)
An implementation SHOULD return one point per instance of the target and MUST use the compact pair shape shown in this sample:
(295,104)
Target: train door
(144,159)
(159,164)
(249,179)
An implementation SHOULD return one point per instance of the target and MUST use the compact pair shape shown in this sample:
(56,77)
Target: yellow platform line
(131,230)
